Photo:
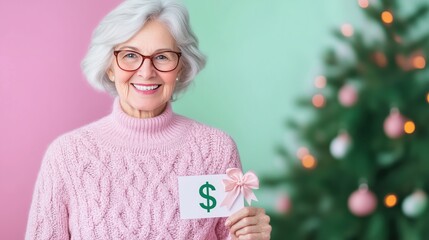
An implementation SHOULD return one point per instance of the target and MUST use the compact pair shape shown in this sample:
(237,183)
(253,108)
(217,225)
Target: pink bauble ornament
(362,202)
(283,204)
(394,124)
(347,95)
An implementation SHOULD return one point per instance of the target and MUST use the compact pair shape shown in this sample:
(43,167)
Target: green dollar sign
(207,196)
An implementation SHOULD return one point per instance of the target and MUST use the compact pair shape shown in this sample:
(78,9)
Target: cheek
(169,79)
(122,88)
(169,86)
(123,77)
(122,82)
(120,75)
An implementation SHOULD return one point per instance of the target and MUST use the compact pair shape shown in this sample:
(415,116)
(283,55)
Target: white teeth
(146,88)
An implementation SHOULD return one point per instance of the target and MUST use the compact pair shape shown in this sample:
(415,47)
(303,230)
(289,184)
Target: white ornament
(415,204)
(340,145)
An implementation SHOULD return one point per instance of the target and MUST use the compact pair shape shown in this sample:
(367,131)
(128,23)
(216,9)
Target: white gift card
(201,197)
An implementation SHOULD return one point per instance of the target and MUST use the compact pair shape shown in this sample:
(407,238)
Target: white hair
(124,22)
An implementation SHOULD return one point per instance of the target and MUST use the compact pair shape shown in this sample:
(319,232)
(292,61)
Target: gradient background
(261,56)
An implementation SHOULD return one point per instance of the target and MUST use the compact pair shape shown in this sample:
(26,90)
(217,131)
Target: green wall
(261,56)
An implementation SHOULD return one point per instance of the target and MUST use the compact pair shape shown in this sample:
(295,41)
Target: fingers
(261,225)
(249,223)
(245,225)
(242,213)
(261,236)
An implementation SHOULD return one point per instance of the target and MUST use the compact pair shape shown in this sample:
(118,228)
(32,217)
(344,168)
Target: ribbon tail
(230,198)
(249,196)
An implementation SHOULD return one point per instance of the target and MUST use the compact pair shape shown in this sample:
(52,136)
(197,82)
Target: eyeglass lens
(162,61)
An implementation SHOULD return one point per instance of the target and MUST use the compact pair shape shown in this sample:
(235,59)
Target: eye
(162,57)
(129,55)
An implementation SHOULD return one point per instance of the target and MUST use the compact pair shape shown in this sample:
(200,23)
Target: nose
(146,70)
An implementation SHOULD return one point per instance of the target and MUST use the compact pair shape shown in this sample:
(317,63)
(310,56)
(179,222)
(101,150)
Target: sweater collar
(146,126)
(163,130)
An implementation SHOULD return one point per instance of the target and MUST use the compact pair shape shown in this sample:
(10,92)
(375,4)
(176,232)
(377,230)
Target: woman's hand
(249,223)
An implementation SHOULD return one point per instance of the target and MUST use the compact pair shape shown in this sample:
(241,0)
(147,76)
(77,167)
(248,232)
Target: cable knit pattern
(117,178)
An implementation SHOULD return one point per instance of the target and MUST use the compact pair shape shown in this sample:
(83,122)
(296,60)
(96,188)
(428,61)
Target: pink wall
(42,91)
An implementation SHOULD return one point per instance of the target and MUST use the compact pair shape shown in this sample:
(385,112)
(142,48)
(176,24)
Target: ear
(179,74)
(111,75)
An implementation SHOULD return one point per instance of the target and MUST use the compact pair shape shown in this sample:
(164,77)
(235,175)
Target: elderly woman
(117,178)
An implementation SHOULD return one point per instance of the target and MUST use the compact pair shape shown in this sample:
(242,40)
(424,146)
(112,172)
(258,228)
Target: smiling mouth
(146,87)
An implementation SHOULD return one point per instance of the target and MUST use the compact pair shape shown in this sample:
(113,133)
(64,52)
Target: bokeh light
(308,161)
(363,3)
(318,100)
(409,127)
(302,152)
(347,30)
(387,17)
(419,62)
(320,82)
(427,97)
(390,200)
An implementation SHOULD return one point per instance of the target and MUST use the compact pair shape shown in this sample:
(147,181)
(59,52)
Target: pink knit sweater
(116,178)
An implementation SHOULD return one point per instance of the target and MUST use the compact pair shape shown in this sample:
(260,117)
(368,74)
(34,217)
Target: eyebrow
(129,47)
(139,51)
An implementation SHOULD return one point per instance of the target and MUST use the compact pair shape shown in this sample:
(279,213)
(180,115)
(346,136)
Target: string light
(380,59)
(390,200)
(320,82)
(347,30)
(409,127)
(419,62)
(318,100)
(402,62)
(308,162)
(387,17)
(302,151)
(363,3)
(398,39)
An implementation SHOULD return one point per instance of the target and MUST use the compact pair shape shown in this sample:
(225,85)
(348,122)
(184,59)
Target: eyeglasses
(165,61)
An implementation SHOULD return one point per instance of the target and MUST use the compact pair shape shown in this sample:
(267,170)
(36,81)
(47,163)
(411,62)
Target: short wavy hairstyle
(124,22)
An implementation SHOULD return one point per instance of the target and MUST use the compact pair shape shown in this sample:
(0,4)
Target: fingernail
(227,223)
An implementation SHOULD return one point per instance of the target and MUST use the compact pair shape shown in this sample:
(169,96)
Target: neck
(136,113)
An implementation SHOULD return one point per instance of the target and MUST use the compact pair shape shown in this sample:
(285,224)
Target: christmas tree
(362,168)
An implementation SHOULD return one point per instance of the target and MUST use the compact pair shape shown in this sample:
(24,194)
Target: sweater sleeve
(231,160)
(48,217)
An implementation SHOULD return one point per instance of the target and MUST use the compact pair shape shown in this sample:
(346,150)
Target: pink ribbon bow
(238,183)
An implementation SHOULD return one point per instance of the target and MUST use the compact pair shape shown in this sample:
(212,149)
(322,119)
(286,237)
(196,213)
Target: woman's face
(144,93)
